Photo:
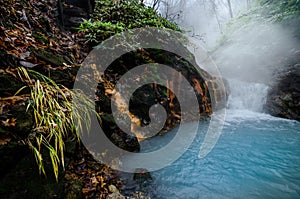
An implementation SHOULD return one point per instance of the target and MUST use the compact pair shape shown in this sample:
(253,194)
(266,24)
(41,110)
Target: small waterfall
(247,95)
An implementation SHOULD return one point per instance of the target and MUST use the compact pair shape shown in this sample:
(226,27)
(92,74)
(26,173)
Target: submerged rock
(142,175)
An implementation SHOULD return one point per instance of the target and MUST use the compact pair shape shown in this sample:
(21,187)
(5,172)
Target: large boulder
(284,97)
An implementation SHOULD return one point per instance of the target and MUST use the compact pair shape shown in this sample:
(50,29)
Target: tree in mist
(249,4)
(204,19)
(169,9)
(155,4)
(214,9)
(230,8)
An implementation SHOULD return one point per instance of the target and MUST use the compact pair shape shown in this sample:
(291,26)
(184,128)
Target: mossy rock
(122,140)
(65,76)
(9,85)
(50,57)
(8,60)
(142,175)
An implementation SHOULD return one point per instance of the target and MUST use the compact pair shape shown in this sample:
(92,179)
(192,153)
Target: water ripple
(257,157)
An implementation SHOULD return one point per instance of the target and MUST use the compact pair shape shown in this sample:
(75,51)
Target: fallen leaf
(27,64)
(9,122)
(94,180)
(4,141)
(25,55)
(86,190)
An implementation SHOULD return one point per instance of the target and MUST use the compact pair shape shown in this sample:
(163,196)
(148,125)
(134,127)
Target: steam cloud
(251,53)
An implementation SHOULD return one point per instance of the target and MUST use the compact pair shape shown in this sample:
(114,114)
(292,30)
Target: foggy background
(251,51)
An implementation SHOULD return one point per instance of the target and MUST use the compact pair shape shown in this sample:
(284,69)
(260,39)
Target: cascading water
(247,95)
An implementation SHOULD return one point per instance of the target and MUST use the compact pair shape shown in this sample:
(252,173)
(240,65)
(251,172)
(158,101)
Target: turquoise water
(257,156)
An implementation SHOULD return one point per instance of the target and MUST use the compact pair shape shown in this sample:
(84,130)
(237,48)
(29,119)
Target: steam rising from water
(250,54)
(251,51)
(255,53)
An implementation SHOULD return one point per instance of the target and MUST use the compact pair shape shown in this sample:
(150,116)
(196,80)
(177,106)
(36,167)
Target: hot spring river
(257,156)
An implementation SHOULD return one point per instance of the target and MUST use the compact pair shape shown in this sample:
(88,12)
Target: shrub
(110,18)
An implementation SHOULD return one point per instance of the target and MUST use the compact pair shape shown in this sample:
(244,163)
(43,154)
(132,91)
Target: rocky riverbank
(284,96)
(40,36)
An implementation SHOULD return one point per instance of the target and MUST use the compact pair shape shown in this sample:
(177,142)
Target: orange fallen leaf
(94,180)
(9,122)
(4,141)
(86,190)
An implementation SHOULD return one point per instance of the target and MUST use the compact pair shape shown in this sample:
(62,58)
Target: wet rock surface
(73,12)
(284,97)
(139,183)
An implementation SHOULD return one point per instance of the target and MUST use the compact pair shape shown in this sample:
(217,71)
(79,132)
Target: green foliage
(279,10)
(265,12)
(110,18)
(53,118)
(98,30)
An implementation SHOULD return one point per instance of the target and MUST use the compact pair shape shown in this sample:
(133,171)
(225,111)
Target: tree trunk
(248,4)
(214,7)
(230,8)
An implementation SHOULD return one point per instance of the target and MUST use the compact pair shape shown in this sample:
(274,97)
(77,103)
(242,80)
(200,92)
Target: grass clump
(53,117)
